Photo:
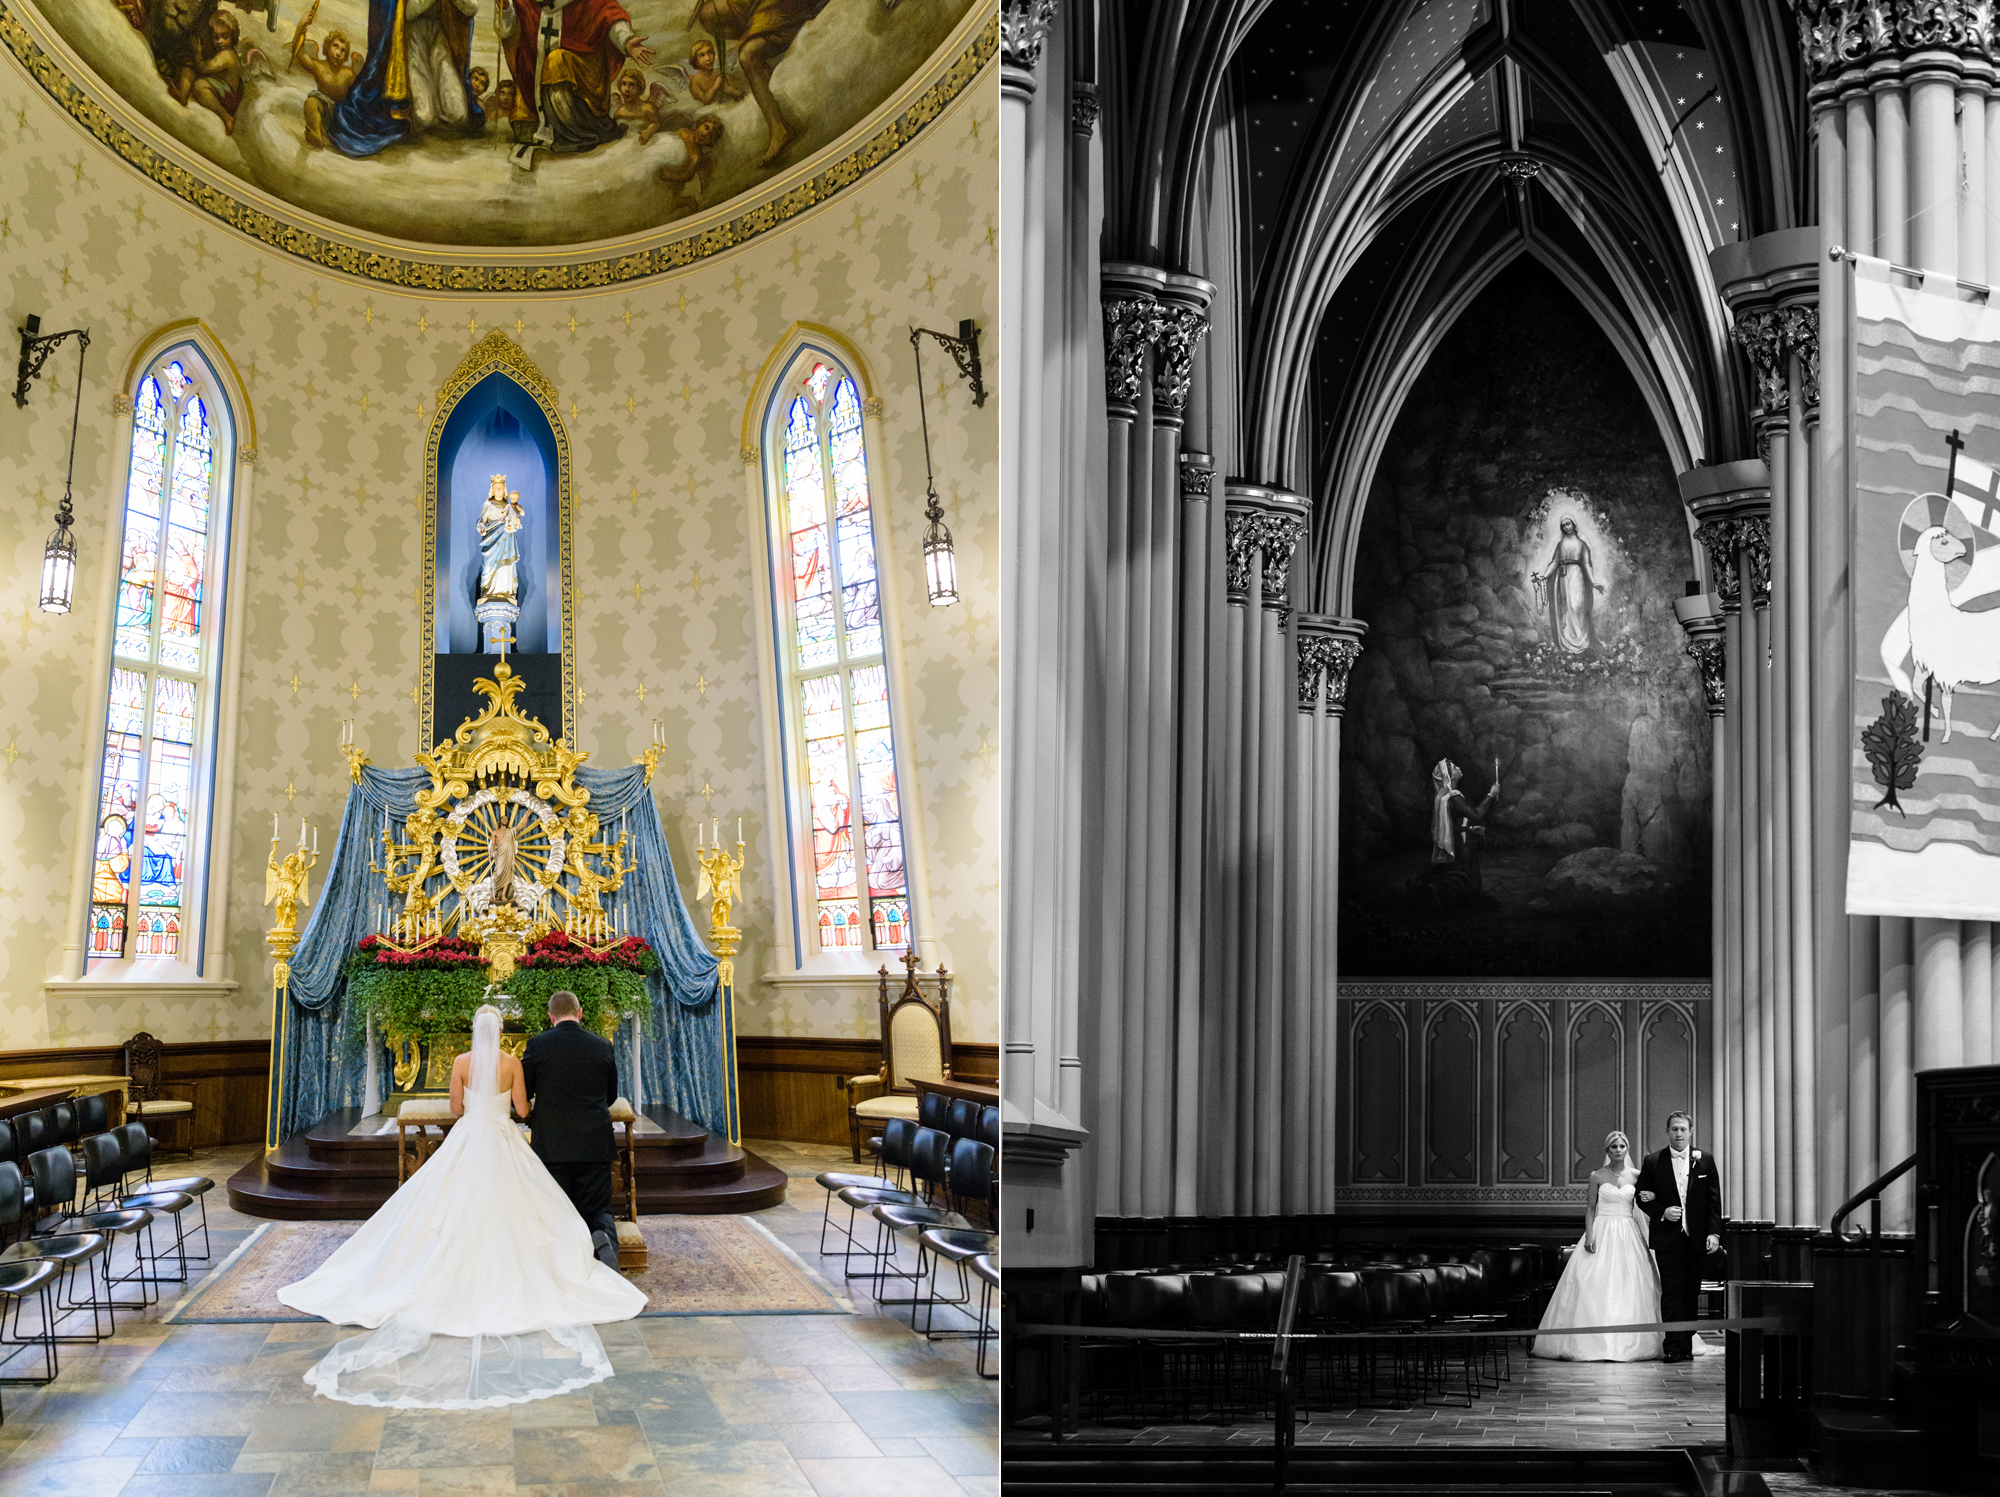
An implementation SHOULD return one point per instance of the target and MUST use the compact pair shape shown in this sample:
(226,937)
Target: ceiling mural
(485,125)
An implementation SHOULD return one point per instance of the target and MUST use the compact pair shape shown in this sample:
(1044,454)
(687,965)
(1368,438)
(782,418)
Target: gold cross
(79,168)
(986,750)
(701,684)
(868,317)
(572,322)
(691,485)
(858,221)
(737,284)
(289,792)
(686,392)
(503,639)
(12,753)
(634,495)
(471,324)
(420,407)
(631,405)
(975,127)
(640,692)
(367,315)
(917,178)
(357,592)
(707,791)
(354,691)
(628,319)
(423,322)
(302,577)
(698,582)
(415,699)
(138,214)
(637,588)
(681,301)
(930,283)
(798,248)
(313,300)
(309,387)
(573,412)
(364,402)
(517,324)
(295,683)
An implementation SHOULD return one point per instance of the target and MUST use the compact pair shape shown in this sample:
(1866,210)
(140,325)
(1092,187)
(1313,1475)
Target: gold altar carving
(722,886)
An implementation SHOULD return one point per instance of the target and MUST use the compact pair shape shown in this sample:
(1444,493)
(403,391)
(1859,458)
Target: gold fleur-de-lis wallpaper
(653,380)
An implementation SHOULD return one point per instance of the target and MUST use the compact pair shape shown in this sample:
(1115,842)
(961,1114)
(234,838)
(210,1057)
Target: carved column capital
(1130,322)
(1709,656)
(121,403)
(1839,35)
(1281,536)
(1328,648)
(1176,335)
(1761,336)
(1242,534)
(1314,650)
(1718,538)
(1024,30)
(1083,108)
(1197,477)
(1800,328)
(1753,537)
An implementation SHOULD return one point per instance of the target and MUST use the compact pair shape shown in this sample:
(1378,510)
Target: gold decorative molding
(495,353)
(866,157)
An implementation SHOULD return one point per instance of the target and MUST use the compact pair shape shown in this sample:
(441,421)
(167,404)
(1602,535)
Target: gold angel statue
(285,882)
(721,880)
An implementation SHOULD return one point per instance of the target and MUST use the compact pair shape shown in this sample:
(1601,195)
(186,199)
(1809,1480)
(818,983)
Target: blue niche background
(497,428)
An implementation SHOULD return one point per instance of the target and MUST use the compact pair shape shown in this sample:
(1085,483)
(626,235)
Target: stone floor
(714,1406)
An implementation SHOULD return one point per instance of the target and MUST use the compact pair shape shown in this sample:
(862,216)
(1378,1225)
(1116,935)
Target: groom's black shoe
(605,1249)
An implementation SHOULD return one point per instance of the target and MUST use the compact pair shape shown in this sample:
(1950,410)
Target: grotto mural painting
(1524,778)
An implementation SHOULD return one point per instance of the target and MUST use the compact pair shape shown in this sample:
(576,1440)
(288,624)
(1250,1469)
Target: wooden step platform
(326,1174)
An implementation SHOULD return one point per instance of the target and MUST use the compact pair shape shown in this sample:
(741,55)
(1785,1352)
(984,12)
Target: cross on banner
(1980,485)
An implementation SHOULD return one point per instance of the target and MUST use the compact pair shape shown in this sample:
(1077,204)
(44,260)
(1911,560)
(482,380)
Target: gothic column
(1905,125)
(1326,650)
(1048,387)
(1199,582)
(1730,502)
(1249,786)
(1701,620)
(1770,285)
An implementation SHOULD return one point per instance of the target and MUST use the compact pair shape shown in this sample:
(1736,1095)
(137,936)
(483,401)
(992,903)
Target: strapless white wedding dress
(1616,1285)
(477,1277)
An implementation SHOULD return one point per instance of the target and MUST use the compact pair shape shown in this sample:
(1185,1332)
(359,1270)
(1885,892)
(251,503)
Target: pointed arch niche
(148,897)
(497,416)
(836,691)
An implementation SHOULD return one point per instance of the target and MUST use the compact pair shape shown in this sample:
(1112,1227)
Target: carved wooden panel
(1451,1090)
(1379,1062)
(1666,1075)
(1524,1095)
(1596,1086)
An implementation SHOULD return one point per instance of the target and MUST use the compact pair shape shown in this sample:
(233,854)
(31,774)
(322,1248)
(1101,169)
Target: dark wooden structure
(327,1174)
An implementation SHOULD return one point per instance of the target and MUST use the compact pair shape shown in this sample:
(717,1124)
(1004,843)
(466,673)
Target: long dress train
(1616,1285)
(476,1276)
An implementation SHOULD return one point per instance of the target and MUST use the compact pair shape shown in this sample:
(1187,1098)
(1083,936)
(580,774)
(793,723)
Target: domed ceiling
(442,142)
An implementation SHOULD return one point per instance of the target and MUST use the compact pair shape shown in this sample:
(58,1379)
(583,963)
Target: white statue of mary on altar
(500,544)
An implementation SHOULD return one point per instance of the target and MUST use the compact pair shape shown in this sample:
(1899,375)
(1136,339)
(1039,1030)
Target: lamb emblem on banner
(1949,633)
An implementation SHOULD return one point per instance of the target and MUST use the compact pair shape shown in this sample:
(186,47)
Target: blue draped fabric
(684,1063)
(371,118)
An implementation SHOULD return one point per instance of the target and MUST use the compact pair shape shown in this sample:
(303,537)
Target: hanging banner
(1925,460)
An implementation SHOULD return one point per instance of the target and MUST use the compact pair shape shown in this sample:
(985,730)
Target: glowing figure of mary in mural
(1569,589)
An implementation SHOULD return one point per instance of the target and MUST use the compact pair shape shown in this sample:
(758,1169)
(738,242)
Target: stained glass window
(840,682)
(147,814)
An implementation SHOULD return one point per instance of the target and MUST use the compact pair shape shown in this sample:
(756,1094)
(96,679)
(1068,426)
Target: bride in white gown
(1611,1278)
(476,1276)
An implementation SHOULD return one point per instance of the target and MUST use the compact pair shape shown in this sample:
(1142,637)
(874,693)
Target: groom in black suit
(1681,1191)
(572,1080)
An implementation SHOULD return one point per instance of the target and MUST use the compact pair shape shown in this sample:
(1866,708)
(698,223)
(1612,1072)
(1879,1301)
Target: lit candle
(315,841)
(302,832)
(274,828)
(739,831)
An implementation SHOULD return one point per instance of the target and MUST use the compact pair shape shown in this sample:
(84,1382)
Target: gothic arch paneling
(1666,1068)
(1451,1095)
(1381,1062)
(1596,1042)
(1524,1100)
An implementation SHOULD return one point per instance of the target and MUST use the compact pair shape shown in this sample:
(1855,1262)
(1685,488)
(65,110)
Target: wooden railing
(1862,1304)
(1284,1366)
(1871,1196)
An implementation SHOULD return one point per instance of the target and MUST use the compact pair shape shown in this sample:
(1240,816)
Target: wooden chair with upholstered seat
(916,1046)
(149,1102)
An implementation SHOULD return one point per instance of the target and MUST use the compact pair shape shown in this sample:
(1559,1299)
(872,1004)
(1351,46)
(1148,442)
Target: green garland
(439,995)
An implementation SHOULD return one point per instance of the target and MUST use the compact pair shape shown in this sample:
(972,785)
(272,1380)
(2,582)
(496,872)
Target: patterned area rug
(698,1265)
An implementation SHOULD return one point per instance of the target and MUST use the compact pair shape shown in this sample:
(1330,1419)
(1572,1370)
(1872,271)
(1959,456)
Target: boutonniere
(1695,1155)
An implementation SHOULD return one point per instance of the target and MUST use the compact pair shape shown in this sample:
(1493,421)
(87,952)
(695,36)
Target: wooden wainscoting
(233,1075)
(792,1084)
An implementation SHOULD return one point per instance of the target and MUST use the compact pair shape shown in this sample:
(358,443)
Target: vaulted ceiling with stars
(1391,159)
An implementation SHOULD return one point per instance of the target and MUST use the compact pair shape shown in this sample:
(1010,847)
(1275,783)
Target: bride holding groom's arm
(1609,1280)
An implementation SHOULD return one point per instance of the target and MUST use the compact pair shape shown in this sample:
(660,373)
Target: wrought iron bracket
(35,351)
(964,350)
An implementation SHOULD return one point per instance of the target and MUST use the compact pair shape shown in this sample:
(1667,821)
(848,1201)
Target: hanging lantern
(59,555)
(940,562)
(59,563)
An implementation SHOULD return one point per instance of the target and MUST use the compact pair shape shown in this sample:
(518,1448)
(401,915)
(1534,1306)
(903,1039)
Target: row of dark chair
(65,1232)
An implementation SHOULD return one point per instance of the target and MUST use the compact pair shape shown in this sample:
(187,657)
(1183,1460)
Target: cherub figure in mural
(639,103)
(1569,588)
(572,51)
(699,138)
(763,31)
(332,66)
(705,79)
(213,74)
(500,544)
(500,105)
(1458,837)
(415,76)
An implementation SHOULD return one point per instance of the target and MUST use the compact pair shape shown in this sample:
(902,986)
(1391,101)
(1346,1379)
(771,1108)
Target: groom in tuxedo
(1682,1193)
(572,1079)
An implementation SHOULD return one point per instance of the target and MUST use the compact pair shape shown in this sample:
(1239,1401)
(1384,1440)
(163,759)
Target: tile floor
(715,1406)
